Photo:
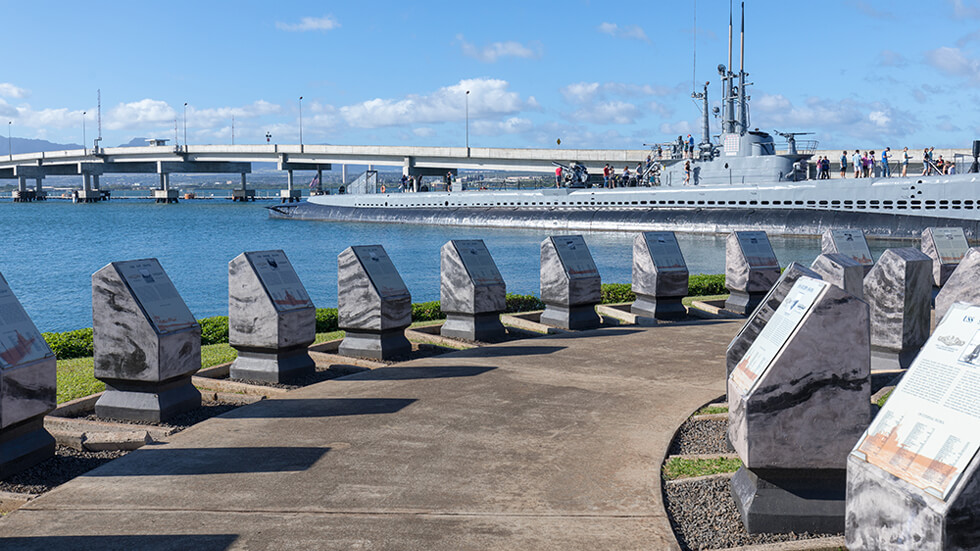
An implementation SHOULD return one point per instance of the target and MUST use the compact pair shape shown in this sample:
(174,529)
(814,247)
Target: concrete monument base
(744,303)
(887,359)
(790,500)
(146,401)
(661,308)
(473,327)
(376,345)
(571,317)
(24,445)
(273,366)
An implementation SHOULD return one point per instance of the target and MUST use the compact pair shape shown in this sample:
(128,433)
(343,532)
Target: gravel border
(66,464)
(701,436)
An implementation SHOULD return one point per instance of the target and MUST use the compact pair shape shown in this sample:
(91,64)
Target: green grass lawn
(676,467)
(711,410)
(686,301)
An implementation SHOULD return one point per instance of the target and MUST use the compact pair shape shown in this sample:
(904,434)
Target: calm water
(50,251)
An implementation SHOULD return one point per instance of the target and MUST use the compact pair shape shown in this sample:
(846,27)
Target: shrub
(617,292)
(522,303)
(70,344)
(214,330)
(702,285)
(427,311)
(326,320)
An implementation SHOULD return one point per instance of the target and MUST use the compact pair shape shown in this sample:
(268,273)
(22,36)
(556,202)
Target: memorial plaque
(147,343)
(28,380)
(798,401)
(961,285)
(899,290)
(373,305)
(751,269)
(841,270)
(946,247)
(280,280)
(776,332)
(757,249)
(271,319)
(156,294)
(570,283)
(472,292)
(660,276)
(850,243)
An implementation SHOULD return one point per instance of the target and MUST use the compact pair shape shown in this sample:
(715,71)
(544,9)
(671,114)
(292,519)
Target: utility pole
(185,124)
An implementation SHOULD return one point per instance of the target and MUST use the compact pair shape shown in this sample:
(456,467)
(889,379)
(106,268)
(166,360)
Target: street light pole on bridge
(185,124)
(301,122)
(467,123)
(84,139)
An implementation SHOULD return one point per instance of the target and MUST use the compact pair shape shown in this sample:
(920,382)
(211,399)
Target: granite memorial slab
(570,283)
(841,270)
(271,318)
(912,478)
(472,292)
(751,269)
(147,343)
(660,276)
(798,401)
(761,315)
(28,379)
(848,242)
(946,247)
(963,285)
(899,291)
(373,305)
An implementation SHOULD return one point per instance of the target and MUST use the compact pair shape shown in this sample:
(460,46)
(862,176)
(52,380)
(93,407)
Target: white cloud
(488,98)
(879,118)
(139,114)
(680,128)
(953,61)
(965,9)
(8,90)
(626,31)
(580,92)
(609,112)
(890,58)
(496,50)
(424,132)
(843,120)
(214,115)
(513,125)
(325,23)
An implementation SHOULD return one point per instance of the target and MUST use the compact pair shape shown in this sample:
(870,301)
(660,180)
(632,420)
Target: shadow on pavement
(154,461)
(318,407)
(419,372)
(163,542)
(497,352)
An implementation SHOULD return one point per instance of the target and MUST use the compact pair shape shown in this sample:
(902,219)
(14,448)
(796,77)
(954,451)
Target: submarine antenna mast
(742,97)
(728,77)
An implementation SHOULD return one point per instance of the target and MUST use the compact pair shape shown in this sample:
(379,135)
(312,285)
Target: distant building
(153,142)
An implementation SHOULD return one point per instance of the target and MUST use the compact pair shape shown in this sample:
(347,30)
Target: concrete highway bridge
(165,160)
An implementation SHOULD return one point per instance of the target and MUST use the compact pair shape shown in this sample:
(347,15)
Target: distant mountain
(17,146)
(135,142)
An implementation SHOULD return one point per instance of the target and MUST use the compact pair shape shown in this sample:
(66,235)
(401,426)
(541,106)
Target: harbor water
(51,249)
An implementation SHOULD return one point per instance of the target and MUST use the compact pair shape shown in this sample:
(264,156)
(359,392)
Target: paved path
(547,443)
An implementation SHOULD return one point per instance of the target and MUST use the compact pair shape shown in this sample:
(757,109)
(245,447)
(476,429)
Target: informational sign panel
(380,269)
(665,251)
(929,429)
(156,294)
(280,280)
(20,341)
(951,244)
(756,249)
(776,333)
(575,256)
(853,244)
(478,262)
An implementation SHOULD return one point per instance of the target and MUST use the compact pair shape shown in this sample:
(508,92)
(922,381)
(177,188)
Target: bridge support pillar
(165,194)
(244,194)
(22,194)
(39,194)
(290,195)
(87,194)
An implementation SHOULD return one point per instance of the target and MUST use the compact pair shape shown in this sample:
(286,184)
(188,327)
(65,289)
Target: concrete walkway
(547,443)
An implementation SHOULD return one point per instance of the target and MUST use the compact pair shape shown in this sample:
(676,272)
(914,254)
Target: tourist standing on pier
(690,146)
(872,165)
(605,176)
(926,158)
(612,177)
(905,162)
(558,177)
(843,164)
(856,160)
(687,173)
(886,170)
(626,176)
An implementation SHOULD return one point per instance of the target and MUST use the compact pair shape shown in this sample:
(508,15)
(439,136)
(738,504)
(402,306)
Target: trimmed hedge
(214,330)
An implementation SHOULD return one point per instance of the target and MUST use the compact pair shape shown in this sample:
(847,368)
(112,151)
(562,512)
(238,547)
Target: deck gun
(575,175)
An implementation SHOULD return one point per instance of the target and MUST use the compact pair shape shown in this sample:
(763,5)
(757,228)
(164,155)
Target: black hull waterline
(784,222)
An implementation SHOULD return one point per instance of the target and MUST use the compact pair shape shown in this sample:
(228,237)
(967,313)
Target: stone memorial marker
(841,270)
(271,319)
(851,243)
(570,284)
(27,388)
(898,290)
(798,400)
(751,269)
(946,247)
(147,343)
(472,292)
(373,305)
(912,478)
(963,285)
(761,315)
(660,276)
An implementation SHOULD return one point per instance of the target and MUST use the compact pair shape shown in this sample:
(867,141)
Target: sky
(857,73)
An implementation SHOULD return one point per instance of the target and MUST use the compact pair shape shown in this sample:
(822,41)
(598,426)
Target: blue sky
(596,75)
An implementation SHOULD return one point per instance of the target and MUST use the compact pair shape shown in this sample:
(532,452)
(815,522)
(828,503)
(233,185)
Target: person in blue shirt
(843,164)
(886,170)
(690,146)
